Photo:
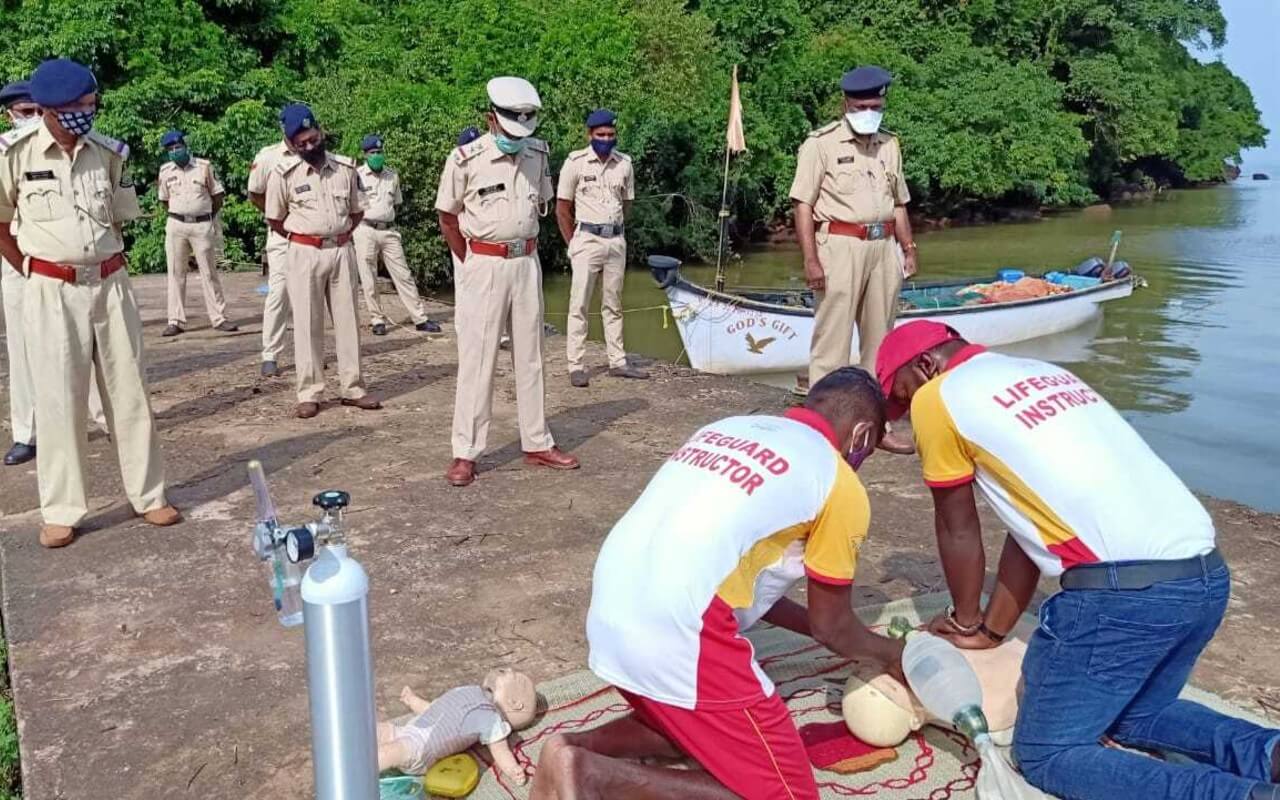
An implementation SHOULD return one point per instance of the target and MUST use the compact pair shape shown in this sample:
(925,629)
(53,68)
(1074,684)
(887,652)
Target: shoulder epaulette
(114,145)
(825,129)
(346,161)
(888,133)
(538,145)
(622,156)
(469,150)
(577,154)
(287,162)
(10,138)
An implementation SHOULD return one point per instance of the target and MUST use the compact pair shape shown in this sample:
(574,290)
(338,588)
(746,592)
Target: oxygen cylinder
(335,599)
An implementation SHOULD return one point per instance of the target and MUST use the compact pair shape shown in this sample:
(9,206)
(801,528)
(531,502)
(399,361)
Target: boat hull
(728,334)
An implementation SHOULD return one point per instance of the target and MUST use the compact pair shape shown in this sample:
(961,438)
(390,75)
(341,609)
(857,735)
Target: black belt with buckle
(1133,575)
(377,226)
(191,217)
(607,231)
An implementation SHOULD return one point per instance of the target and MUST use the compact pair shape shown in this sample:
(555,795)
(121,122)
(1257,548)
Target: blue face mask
(77,123)
(508,145)
(603,147)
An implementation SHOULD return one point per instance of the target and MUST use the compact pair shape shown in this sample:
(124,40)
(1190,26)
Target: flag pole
(734,142)
(724,222)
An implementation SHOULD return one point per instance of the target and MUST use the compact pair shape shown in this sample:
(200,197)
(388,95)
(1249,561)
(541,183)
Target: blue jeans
(1111,663)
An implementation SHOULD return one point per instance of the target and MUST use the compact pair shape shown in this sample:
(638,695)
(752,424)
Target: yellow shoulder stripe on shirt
(831,553)
(946,457)
(739,588)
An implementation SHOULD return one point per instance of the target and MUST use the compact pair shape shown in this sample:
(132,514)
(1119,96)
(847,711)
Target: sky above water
(1252,53)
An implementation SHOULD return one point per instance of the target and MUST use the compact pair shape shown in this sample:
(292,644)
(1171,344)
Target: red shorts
(756,751)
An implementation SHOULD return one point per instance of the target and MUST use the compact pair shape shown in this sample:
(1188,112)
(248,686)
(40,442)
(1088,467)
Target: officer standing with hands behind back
(192,196)
(491,194)
(850,201)
(314,200)
(597,185)
(67,186)
(376,235)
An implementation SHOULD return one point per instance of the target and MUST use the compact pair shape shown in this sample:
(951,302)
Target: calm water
(1192,360)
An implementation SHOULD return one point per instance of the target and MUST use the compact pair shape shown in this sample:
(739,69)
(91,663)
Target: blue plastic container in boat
(1078,281)
(1055,277)
(1010,274)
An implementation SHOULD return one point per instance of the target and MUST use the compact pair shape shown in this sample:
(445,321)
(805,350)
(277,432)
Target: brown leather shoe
(898,444)
(628,371)
(551,458)
(57,535)
(367,403)
(162,517)
(306,410)
(461,472)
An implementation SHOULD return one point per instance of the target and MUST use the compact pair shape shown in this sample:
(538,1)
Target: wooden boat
(769,330)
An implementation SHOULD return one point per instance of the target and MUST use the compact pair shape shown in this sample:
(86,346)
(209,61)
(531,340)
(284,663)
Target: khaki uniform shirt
(597,188)
(497,197)
(850,178)
(263,163)
(189,189)
(381,193)
(315,202)
(71,206)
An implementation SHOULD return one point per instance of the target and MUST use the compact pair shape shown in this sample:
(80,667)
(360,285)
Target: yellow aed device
(455,776)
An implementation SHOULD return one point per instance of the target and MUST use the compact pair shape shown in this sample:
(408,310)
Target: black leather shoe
(379,329)
(427,326)
(171,330)
(19,454)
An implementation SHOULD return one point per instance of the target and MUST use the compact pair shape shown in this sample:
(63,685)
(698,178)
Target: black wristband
(990,634)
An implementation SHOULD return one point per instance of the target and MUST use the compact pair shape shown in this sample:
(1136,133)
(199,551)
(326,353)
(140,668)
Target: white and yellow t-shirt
(743,510)
(1059,465)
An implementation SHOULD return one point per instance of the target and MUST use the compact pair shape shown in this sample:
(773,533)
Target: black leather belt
(607,231)
(377,226)
(1132,575)
(191,217)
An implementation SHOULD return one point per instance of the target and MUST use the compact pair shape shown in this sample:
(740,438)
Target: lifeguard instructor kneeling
(735,517)
(1143,585)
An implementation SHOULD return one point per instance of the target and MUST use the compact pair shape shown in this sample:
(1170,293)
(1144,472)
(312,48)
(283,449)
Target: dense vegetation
(998,102)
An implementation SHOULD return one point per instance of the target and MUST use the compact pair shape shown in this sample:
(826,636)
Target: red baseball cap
(903,344)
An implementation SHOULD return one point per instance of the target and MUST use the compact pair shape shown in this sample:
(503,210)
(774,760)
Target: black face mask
(314,156)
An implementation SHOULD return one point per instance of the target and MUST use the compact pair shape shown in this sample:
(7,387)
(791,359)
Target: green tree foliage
(997,102)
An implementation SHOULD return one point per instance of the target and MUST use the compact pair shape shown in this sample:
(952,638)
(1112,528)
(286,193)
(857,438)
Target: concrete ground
(148,663)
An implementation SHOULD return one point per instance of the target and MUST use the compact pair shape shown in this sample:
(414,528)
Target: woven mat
(933,764)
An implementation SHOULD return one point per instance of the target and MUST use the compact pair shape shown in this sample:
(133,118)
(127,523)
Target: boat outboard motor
(1120,269)
(665,270)
(1091,267)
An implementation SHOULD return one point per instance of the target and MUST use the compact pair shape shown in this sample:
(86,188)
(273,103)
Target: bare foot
(407,696)
(553,779)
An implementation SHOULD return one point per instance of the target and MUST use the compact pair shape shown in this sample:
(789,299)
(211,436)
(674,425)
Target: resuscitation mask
(376,161)
(603,147)
(508,145)
(866,121)
(856,457)
(77,123)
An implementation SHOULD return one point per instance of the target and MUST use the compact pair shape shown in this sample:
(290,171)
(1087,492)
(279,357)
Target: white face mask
(865,122)
(24,122)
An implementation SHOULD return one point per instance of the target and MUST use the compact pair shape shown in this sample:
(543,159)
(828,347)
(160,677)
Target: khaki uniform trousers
(320,278)
(863,282)
(22,396)
(73,330)
(372,243)
(488,289)
(181,240)
(275,310)
(592,256)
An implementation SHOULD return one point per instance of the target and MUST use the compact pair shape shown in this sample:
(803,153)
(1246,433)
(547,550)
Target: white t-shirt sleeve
(489,725)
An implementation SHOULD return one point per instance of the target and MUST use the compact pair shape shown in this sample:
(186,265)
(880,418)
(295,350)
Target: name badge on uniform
(488,190)
(306,187)
(42,175)
(846,159)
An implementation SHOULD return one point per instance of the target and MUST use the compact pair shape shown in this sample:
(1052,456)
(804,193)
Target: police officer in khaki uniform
(69,190)
(23,111)
(314,200)
(376,235)
(597,185)
(275,310)
(491,194)
(850,201)
(192,197)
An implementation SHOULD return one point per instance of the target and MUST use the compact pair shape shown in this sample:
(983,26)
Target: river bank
(148,662)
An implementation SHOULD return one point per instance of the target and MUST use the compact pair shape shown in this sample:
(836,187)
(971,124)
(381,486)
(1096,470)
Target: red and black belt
(515,249)
(65,272)
(872,231)
(320,241)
